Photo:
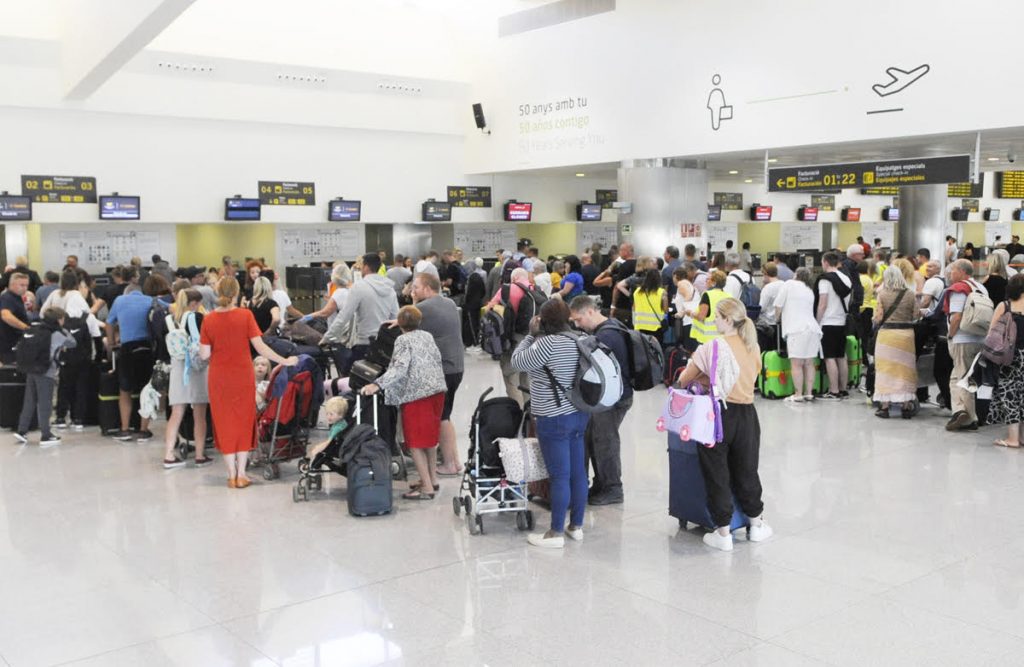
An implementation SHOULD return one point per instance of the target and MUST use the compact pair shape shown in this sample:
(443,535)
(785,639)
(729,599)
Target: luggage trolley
(484,488)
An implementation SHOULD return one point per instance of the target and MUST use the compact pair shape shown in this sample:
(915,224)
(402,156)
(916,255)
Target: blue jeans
(561,442)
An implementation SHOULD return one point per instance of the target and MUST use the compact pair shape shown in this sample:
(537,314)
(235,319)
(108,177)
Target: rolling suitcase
(775,380)
(675,362)
(854,360)
(368,494)
(12,396)
(687,494)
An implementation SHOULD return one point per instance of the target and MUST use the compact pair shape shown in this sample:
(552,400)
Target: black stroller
(485,490)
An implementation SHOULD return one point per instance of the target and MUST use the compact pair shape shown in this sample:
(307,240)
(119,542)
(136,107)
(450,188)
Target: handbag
(869,347)
(521,457)
(696,416)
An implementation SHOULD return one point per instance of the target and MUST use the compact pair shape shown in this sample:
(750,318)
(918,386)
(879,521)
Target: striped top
(560,356)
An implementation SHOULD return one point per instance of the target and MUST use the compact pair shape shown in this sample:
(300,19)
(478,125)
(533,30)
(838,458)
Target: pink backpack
(1001,339)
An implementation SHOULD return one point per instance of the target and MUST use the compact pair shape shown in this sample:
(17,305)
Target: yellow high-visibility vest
(647,311)
(704,331)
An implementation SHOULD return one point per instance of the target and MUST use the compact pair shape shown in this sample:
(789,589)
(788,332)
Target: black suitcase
(109,412)
(687,494)
(12,396)
(368,494)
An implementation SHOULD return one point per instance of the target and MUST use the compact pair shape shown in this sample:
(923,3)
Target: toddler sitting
(261,367)
(336,408)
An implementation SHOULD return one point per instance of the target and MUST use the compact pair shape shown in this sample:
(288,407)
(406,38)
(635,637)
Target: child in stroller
(321,458)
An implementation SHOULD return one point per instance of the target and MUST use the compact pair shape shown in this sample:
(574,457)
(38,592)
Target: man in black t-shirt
(453,277)
(622,304)
(589,272)
(13,315)
(21,266)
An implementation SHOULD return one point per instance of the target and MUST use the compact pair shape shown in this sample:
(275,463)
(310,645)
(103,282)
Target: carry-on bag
(12,395)
(675,361)
(776,379)
(369,492)
(687,493)
(854,360)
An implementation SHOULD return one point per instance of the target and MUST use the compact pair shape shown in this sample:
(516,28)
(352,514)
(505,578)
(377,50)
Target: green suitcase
(854,360)
(775,380)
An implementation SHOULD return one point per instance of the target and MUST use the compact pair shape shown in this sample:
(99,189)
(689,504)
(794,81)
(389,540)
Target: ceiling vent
(184,68)
(302,78)
(551,14)
(400,88)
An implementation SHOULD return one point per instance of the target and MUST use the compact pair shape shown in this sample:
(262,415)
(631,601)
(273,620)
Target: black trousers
(943,370)
(730,467)
(604,445)
(72,392)
(864,329)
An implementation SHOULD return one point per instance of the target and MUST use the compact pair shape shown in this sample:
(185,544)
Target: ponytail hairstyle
(652,281)
(227,291)
(733,311)
(185,298)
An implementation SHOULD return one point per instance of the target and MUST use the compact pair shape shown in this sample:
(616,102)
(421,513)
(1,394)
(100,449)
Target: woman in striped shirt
(551,361)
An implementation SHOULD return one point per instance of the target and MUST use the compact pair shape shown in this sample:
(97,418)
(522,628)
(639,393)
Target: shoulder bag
(693,414)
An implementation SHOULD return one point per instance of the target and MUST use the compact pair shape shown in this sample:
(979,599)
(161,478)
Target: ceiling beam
(99,38)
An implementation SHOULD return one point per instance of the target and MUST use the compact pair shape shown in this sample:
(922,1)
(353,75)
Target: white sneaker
(716,540)
(759,533)
(539,540)
(50,441)
(793,398)
(575,533)
(20,437)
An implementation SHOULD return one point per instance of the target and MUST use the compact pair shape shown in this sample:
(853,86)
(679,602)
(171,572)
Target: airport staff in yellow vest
(650,303)
(704,328)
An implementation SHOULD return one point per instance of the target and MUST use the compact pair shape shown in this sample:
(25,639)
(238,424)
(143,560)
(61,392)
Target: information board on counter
(891,173)
(287,193)
(59,189)
(729,201)
(823,202)
(469,196)
(795,236)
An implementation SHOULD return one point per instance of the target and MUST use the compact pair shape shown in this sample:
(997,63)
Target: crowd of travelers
(207,334)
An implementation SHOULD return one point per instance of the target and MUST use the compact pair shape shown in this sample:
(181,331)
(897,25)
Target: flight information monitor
(15,207)
(116,207)
(242,208)
(342,210)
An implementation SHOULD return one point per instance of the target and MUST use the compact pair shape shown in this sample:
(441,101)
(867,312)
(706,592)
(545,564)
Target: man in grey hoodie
(371,302)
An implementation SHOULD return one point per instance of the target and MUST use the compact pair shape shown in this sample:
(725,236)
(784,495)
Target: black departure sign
(823,202)
(469,196)
(883,192)
(883,173)
(972,205)
(606,197)
(1010,184)
(729,201)
(287,193)
(59,189)
(968,189)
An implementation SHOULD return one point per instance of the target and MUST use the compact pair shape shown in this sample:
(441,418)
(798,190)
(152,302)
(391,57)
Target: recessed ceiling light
(748,180)
(993,159)
(733,172)
(580,174)
(773,160)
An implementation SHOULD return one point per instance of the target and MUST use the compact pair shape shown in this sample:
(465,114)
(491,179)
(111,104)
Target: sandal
(882,413)
(419,485)
(418,495)
(1006,443)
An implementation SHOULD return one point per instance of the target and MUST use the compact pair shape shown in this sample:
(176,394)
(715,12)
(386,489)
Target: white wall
(796,72)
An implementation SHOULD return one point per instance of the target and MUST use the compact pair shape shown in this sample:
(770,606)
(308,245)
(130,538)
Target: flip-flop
(1004,443)
(449,474)
(418,495)
(419,485)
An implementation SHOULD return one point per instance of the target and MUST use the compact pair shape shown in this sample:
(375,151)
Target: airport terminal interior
(728,185)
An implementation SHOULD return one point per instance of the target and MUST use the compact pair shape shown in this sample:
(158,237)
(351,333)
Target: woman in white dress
(794,308)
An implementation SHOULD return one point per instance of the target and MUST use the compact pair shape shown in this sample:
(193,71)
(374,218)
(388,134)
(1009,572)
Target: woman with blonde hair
(895,358)
(225,339)
(263,307)
(996,280)
(703,328)
(730,466)
(187,383)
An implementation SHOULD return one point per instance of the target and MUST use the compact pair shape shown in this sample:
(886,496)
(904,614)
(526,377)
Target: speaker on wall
(478,116)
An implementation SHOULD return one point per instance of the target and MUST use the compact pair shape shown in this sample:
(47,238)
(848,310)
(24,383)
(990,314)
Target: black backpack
(646,358)
(156,323)
(517,322)
(32,354)
(82,351)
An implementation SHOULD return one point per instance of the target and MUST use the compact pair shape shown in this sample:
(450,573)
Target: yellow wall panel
(205,244)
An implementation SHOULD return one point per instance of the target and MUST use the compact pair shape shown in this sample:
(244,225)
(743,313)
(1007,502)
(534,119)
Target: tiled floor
(896,544)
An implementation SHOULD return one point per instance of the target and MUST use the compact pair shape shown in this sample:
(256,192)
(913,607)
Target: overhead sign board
(287,193)
(967,189)
(824,202)
(1009,185)
(469,196)
(59,189)
(891,173)
(729,201)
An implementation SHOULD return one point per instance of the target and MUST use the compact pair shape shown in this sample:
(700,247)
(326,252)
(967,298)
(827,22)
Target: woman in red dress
(225,338)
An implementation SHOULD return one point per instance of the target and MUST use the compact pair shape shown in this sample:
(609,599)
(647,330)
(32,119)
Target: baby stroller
(282,427)
(484,489)
(328,461)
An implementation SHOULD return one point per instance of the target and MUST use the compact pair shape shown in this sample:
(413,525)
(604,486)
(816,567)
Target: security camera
(1011,156)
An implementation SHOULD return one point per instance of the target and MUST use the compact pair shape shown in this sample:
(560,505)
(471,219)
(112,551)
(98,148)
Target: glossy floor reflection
(895,544)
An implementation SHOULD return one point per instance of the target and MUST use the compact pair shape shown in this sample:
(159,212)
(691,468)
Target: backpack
(750,295)
(32,354)
(977,315)
(78,328)
(493,340)
(517,322)
(646,358)
(1001,339)
(177,339)
(156,323)
(597,385)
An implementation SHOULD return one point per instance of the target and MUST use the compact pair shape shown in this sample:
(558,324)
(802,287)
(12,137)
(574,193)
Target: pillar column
(663,195)
(923,220)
